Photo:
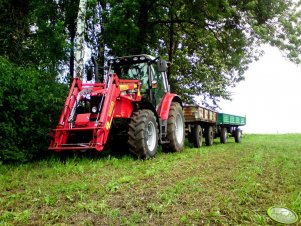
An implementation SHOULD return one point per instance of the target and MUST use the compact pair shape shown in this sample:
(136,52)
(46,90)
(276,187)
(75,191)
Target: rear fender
(163,109)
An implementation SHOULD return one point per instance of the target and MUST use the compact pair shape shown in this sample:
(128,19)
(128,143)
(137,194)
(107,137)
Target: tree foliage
(33,49)
(30,104)
(210,43)
(33,33)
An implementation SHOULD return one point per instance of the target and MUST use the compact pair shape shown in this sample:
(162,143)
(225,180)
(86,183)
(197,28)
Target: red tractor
(132,109)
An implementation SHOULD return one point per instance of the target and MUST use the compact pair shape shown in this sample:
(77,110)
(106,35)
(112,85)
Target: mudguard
(163,109)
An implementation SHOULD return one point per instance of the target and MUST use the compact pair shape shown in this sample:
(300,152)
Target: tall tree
(80,38)
(47,46)
(32,33)
(97,12)
(209,43)
(70,10)
(14,28)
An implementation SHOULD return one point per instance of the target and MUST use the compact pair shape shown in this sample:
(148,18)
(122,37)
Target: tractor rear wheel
(209,135)
(197,134)
(224,135)
(175,129)
(143,134)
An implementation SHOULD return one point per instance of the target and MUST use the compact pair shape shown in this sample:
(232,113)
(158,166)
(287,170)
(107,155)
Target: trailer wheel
(224,135)
(209,135)
(197,136)
(143,134)
(237,135)
(175,129)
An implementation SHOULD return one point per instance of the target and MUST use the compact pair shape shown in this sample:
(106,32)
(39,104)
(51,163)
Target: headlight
(94,109)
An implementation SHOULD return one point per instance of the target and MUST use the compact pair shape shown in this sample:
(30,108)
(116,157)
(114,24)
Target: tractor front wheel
(143,134)
(175,129)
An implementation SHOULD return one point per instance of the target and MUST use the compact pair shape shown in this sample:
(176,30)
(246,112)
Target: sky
(270,95)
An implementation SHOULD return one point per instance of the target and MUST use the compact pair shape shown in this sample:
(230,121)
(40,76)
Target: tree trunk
(80,39)
(72,58)
(101,47)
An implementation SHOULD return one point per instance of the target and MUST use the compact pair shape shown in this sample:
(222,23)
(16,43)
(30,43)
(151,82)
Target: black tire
(190,136)
(197,134)
(143,134)
(175,129)
(224,135)
(209,136)
(237,135)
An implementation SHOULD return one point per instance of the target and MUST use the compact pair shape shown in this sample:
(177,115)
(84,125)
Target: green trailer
(229,124)
(204,123)
(233,120)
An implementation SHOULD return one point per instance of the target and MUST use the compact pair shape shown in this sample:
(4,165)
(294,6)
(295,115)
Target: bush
(30,104)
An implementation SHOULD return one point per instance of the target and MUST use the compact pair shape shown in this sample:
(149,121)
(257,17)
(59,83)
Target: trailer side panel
(227,119)
(199,114)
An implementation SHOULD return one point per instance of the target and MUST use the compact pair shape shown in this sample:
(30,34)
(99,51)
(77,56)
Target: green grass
(226,184)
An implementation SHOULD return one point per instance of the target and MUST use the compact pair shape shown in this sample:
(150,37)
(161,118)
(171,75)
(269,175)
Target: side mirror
(162,66)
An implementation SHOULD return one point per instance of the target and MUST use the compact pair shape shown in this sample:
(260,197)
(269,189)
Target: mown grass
(231,184)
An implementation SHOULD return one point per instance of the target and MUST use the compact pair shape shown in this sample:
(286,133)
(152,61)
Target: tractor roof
(132,59)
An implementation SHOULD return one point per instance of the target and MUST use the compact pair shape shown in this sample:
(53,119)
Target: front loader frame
(88,130)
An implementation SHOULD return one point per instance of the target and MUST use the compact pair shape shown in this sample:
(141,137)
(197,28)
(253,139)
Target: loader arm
(107,111)
(81,130)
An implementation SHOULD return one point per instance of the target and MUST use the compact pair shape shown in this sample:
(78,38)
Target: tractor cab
(150,71)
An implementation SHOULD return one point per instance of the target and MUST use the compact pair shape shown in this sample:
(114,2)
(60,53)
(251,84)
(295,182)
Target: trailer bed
(233,120)
(195,114)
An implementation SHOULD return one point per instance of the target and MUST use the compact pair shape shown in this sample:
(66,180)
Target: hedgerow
(30,104)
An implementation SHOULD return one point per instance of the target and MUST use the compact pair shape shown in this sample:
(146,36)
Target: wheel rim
(151,136)
(200,136)
(179,127)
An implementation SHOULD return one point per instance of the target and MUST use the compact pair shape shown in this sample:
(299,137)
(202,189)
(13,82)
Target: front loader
(132,109)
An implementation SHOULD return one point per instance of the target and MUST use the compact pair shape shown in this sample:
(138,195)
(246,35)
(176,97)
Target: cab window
(158,77)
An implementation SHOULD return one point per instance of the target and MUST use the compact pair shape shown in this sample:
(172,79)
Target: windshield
(132,71)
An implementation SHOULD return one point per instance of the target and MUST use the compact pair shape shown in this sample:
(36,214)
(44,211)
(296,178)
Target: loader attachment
(87,115)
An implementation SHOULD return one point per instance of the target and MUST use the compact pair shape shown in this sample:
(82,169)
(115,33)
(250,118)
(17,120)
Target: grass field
(226,184)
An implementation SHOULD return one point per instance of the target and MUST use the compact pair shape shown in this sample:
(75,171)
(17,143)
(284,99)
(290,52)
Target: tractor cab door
(157,84)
